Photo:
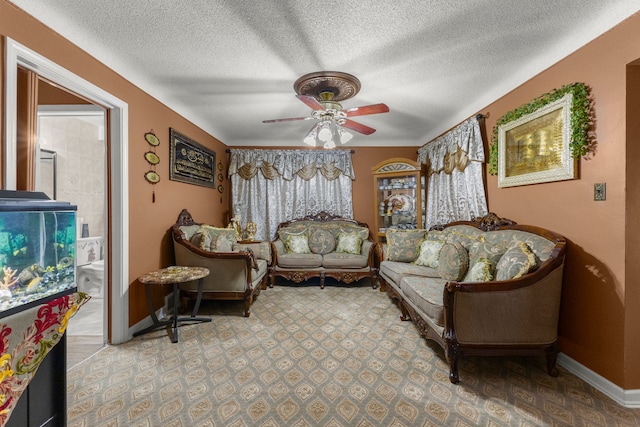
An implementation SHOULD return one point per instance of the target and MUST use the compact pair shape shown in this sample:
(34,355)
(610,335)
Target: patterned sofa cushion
(189,230)
(321,241)
(483,270)
(402,245)
(299,260)
(516,262)
(426,294)
(483,251)
(206,238)
(344,260)
(540,246)
(395,270)
(297,243)
(429,253)
(261,250)
(349,242)
(453,262)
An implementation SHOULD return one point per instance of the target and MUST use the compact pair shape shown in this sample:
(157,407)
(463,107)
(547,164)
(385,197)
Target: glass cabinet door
(399,196)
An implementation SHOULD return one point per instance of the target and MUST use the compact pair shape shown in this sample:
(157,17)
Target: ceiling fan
(322,91)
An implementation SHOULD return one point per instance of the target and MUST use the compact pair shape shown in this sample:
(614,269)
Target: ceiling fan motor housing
(328,86)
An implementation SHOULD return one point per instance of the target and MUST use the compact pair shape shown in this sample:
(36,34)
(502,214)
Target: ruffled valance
(289,163)
(454,150)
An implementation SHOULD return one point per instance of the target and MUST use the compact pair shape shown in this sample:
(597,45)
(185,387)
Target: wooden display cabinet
(398,196)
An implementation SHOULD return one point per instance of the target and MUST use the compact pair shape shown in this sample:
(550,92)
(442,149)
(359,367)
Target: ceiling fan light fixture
(324,131)
(322,92)
(344,136)
(329,145)
(310,139)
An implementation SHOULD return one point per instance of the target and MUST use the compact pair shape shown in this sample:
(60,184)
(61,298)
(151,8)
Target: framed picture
(535,148)
(190,162)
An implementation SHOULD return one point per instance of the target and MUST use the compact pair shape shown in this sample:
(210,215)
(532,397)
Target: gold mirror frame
(535,148)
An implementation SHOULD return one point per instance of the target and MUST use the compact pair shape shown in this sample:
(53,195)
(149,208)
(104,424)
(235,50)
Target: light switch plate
(600,191)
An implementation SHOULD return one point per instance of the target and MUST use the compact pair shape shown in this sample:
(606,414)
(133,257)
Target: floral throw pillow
(453,262)
(202,239)
(484,250)
(482,271)
(223,244)
(298,244)
(321,241)
(402,245)
(429,253)
(362,231)
(516,262)
(349,243)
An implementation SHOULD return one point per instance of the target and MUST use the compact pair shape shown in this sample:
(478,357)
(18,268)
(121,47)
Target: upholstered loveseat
(238,270)
(323,245)
(482,287)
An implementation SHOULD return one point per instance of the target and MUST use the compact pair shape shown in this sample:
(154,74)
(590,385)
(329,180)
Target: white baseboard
(626,398)
(161,313)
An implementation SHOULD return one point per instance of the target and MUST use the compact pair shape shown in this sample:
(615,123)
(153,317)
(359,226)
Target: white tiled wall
(81,160)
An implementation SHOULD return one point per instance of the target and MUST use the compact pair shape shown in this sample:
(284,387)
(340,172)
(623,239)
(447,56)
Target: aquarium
(37,250)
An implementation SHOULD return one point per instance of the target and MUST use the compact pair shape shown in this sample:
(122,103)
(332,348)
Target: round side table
(173,276)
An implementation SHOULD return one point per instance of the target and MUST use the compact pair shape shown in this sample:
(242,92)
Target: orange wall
(595,301)
(600,320)
(149,246)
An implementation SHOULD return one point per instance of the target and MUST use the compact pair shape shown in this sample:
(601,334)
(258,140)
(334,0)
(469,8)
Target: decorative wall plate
(152,177)
(400,202)
(152,139)
(220,177)
(152,157)
(220,188)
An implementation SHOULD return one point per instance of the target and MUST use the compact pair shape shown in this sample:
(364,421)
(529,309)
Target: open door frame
(17,55)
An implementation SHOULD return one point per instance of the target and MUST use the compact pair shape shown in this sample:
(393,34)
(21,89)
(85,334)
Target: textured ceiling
(228,65)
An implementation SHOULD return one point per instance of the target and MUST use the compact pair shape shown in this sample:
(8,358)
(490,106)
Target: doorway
(72,167)
(117,259)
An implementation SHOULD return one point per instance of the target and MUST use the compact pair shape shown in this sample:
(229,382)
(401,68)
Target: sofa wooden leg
(451,352)
(551,364)
(247,306)
(322,281)
(405,315)
(272,280)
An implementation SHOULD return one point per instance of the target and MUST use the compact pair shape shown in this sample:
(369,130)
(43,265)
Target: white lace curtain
(272,186)
(455,188)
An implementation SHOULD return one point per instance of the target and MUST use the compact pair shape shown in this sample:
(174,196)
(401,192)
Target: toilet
(90,266)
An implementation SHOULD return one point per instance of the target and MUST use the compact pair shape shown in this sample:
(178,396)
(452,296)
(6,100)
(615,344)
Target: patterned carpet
(310,357)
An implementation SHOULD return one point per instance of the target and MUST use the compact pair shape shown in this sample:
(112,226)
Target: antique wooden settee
(321,246)
(238,271)
(484,287)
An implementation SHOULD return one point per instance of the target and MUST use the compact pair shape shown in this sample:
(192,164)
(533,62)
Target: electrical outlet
(600,191)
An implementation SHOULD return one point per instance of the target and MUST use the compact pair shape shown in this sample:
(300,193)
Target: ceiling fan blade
(358,127)
(311,102)
(367,109)
(287,120)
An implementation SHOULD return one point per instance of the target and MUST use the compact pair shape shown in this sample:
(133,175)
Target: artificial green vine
(581,142)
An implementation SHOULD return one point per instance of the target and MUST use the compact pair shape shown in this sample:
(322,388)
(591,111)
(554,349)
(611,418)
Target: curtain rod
(228,150)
